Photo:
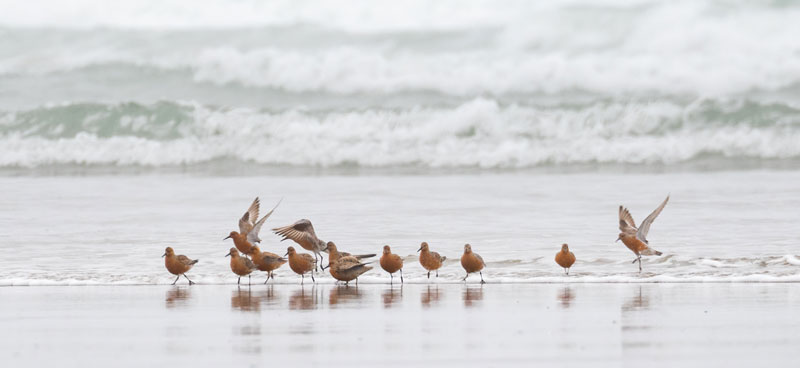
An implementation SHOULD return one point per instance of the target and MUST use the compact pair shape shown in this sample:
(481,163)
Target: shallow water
(609,325)
(722,226)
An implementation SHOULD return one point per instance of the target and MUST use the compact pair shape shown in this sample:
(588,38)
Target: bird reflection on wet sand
(565,296)
(430,296)
(638,302)
(177,297)
(473,295)
(343,294)
(392,295)
(303,299)
(245,300)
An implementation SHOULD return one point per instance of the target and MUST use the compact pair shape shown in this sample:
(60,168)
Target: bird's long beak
(163,255)
(227,237)
(618,239)
(287,253)
(229,253)
(420,248)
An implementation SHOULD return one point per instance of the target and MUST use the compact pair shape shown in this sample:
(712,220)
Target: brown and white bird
(391,263)
(301,263)
(472,262)
(345,267)
(636,238)
(178,265)
(241,266)
(565,258)
(334,253)
(266,261)
(430,261)
(249,227)
(302,233)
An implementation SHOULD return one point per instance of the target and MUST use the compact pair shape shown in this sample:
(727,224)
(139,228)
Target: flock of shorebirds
(347,267)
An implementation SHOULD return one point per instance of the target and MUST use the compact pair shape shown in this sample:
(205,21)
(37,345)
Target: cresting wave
(479,133)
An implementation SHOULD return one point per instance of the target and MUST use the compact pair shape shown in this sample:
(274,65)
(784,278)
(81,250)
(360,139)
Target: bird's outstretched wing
(644,228)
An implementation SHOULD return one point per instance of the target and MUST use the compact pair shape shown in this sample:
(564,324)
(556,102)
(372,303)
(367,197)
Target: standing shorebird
(266,261)
(347,268)
(302,232)
(431,261)
(391,263)
(241,265)
(565,258)
(301,263)
(249,227)
(178,265)
(636,238)
(334,253)
(472,262)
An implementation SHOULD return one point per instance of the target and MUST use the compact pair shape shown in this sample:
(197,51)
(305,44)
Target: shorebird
(301,263)
(431,261)
(302,232)
(565,258)
(178,265)
(266,261)
(636,238)
(472,262)
(249,227)
(345,268)
(241,265)
(391,263)
(334,253)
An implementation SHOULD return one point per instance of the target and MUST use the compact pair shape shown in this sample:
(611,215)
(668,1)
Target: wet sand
(606,325)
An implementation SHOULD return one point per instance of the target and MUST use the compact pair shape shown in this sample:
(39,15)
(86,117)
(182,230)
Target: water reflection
(430,296)
(638,302)
(473,295)
(177,297)
(392,295)
(244,300)
(302,299)
(343,294)
(565,296)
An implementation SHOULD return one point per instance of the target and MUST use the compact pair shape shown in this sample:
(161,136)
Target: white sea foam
(479,133)
(611,48)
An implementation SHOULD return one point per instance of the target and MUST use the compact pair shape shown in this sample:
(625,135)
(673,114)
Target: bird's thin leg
(640,264)
(437,272)
(401,275)
(265,282)
(391,278)
(248,280)
(238,280)
(312,278)
(465,277)
(176,279)
(567,270)
(482,282)
(303,278)
(429,274)
(356,281)
(187,277)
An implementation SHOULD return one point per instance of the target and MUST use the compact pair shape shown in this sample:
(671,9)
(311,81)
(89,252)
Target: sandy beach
(605,325)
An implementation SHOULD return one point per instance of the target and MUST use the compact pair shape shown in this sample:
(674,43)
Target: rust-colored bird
(334,253)
(565,258)
(249,227)
(301,263)
(431,261)
(302,233)
(391,263)
(636,238)
(472,262)
(266,261)
(178,265)
(241,265)
(345,268)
